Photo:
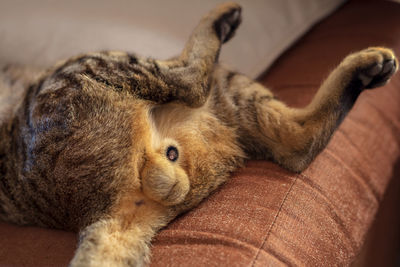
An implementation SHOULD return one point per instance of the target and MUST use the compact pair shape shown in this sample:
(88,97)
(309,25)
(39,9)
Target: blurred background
(41,32)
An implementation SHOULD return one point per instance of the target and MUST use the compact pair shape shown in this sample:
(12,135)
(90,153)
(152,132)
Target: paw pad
(375,66)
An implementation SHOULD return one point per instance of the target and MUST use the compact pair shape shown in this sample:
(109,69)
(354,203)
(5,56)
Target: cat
(115,146)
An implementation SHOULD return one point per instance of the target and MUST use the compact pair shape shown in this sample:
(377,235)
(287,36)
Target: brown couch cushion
(265,215)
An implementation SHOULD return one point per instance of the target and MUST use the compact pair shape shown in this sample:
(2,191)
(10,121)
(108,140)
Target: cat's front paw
(227,19)
(373,67)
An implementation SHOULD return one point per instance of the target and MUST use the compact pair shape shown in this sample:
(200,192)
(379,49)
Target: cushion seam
(274,221)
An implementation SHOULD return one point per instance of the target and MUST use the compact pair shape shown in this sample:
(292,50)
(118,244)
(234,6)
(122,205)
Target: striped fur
(87,148)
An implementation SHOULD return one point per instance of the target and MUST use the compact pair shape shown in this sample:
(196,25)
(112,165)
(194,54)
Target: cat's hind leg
(293,137)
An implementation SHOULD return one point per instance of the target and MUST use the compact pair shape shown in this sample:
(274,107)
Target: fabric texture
(266,216)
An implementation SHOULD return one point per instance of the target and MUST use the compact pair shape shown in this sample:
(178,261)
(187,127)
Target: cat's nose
(172,153)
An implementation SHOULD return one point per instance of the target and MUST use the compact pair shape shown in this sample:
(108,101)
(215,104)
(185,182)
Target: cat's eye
(172,153)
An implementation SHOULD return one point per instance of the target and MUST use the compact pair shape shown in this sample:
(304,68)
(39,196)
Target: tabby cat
(115,146)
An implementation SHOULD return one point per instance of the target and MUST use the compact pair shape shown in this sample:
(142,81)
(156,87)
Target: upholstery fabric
(266,216)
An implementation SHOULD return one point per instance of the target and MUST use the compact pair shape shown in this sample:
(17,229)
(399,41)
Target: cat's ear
(215,28)
(189,73)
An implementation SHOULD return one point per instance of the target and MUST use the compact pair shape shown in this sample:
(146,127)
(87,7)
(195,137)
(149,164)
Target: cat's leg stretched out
(293,137)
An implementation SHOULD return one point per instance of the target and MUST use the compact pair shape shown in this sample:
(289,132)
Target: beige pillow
(40,32)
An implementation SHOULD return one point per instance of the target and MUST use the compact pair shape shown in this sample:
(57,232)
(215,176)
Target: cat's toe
(389,67)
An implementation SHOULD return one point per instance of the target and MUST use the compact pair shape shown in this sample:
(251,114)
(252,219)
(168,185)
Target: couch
(342,210)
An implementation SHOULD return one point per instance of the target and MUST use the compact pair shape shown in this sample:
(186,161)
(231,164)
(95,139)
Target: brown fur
(86,148)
